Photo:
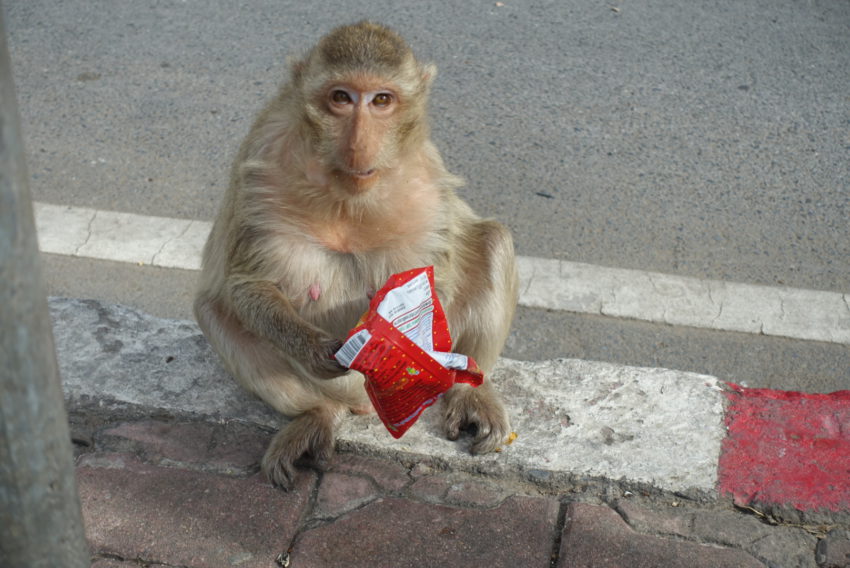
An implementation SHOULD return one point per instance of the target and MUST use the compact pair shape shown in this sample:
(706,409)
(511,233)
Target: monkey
(337,186)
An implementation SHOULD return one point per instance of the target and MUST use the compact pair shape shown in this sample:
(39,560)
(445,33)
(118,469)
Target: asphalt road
(706,139)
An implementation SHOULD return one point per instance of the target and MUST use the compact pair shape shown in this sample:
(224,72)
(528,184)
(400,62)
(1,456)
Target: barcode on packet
(351,348)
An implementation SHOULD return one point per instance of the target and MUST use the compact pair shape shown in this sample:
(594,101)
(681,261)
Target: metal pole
(40,520)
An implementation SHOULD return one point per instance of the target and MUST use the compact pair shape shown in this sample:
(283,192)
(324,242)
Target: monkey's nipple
(315,291)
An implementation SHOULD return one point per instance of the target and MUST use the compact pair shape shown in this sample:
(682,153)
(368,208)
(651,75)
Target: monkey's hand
(321,361)
(263,310)
(480,411)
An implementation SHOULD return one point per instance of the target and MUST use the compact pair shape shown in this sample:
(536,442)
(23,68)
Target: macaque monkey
(337,187)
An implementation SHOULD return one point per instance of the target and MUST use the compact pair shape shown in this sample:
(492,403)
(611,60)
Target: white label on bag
(410,309)
(351,348)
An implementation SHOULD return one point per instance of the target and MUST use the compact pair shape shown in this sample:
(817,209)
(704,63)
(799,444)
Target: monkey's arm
(266,312)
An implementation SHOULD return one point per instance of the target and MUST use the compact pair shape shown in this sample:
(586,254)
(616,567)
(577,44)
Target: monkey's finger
(329,369)
(325,366)
(453,422)
(332,346)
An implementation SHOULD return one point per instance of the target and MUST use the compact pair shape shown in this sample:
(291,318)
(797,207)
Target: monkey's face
(360,127)
(364,97)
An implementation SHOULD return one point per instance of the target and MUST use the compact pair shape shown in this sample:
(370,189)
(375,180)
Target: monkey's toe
(309,434)
(492,440)
(280,473)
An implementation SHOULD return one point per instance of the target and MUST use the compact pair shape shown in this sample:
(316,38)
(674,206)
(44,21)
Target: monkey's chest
(334,290)
(350,240)
(396,231)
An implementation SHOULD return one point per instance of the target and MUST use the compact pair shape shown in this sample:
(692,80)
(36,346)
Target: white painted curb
(545,283)
(576,420)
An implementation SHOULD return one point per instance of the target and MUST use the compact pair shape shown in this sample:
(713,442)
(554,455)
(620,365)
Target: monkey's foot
(311,434)
(365,408)
(479,410)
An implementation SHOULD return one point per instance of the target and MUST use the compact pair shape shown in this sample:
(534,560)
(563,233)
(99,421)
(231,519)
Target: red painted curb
(787,448)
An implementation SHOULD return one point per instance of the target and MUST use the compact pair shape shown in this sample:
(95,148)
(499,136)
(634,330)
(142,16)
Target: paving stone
(432,488)
(789,547)
(112,563)
(833,551)
(179,442)
(421,470)
(187,518)
(457,489)
(340,493)
(786,547)
(238,448)
(109,460)
(654,521)
(596,536)
(398,533)
(777,545)
(476,492)
(570,417)
(389,476)
(729,527)
(231,448)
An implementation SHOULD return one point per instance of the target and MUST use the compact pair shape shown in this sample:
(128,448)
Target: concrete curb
(580,424)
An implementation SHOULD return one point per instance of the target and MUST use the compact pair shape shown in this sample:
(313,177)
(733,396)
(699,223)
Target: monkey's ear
(429,71)
(297,68)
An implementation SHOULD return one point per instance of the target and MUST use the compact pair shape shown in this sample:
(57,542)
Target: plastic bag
(402,346)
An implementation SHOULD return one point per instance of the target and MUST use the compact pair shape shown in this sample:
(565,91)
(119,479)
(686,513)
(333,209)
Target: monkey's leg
(315,405)
(480,315)
(311,434)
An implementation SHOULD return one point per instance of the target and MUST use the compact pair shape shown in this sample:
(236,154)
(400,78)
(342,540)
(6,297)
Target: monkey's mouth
(363,174)
(360,181)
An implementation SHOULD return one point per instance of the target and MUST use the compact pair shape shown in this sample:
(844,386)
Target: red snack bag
(402,346)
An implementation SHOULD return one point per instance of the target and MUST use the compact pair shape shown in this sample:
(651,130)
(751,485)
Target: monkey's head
(364,96)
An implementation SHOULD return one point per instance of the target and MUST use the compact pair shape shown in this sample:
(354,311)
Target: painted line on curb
(787,448)
(545,283)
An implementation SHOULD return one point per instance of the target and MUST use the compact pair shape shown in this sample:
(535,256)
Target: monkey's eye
(382,99)
(340,97)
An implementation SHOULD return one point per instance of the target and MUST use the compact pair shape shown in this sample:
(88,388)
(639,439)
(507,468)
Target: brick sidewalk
(187,494)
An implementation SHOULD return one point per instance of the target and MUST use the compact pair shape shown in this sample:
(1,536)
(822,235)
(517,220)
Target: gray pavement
(700,140)
(707,140)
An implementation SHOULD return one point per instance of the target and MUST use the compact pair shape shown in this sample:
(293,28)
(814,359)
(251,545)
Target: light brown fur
(325,203)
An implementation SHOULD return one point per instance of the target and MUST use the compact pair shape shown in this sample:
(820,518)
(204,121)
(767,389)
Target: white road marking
(679,300)
(124,237)
(545,283)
